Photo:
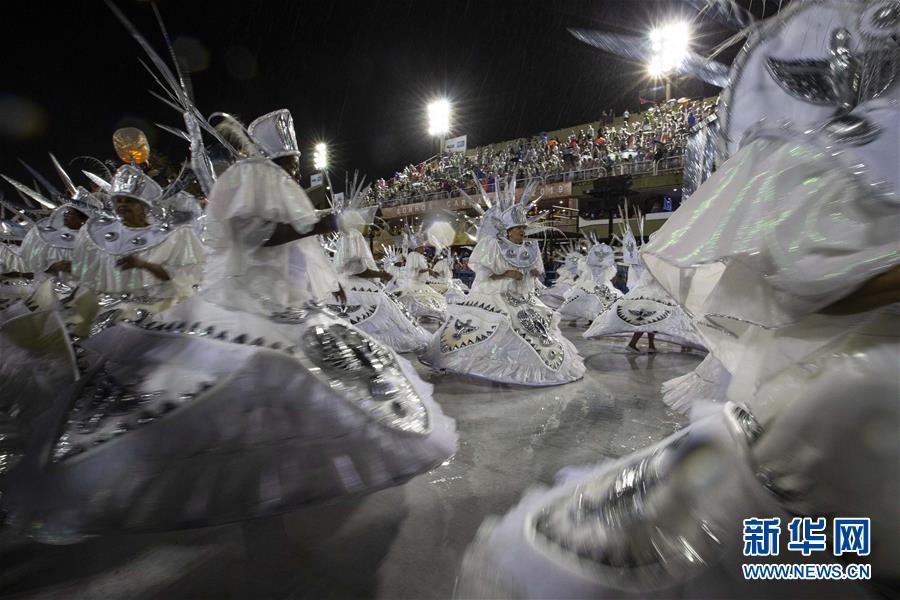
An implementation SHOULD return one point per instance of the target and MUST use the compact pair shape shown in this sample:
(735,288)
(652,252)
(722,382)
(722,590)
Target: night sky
(356,75)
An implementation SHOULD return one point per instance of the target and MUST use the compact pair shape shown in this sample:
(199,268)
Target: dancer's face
(132,212)
(74,219)
(516,234)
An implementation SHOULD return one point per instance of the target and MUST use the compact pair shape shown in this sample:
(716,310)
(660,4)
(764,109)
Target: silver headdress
(599,254)
(78,197)
(512,211)
(414,237)
(130,182)
(177,93)
(30,193)
(274,134)
(16,227)
(391,256)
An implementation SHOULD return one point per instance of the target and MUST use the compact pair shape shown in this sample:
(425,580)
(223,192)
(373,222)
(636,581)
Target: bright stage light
(669,45)
(439,117)
(320,157)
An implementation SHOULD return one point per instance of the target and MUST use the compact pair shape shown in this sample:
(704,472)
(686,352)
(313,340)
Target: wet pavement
(404,542)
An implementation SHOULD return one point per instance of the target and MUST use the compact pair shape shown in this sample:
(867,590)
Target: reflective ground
(404,542)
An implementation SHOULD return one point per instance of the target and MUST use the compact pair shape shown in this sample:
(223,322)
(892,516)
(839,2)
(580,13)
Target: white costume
(416,295)
(12,288)
(502,332)
(452,289)
(50,240)
(368,306)
(646,308)
(230,405)
(593,292)
(104,240)
(568,270)
(793,221)
(10,258)
(391,263)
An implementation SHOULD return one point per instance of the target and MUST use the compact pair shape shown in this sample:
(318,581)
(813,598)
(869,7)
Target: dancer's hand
(129,262)
(340,295)
(60,266)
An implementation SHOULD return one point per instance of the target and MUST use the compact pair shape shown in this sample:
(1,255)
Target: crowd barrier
(640,167)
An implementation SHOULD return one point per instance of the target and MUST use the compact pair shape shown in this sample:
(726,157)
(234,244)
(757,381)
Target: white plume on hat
(352,208)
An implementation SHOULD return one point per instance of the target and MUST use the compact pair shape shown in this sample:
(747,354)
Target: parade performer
(569,259)
(368,306)
(806,307)
(646,308)
(501,331)
(593,292)
(416,295)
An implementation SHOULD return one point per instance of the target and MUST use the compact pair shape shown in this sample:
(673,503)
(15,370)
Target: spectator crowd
(656,134)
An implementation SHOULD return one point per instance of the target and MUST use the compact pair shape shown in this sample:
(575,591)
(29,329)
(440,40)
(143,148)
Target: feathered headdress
(630,244)
(506,210)
(599,254)
(391,255)
(353,207)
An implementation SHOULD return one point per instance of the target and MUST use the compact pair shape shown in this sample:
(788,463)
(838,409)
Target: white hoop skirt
(422,301)
(509,340)
(555,295)
(379,314)
(647,309)
(209,415)
(582,303)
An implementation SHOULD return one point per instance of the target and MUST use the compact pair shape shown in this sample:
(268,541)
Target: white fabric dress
(647,308)
(47,243)
(555,295)
(788,225)
(229,405)
(453,290)
(127,294)
(368,306)
(502,332)
(416,295)
(593,292)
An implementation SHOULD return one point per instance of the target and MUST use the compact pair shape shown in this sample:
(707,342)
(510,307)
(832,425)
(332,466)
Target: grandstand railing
(652,167)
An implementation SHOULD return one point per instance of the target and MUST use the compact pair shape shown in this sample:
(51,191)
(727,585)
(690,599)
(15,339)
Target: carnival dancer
(392,263)
(646,309)
(49,246)
(237,402)
(806,308)
(136,262)
(368,306)
(593,292)
(569,260)
(454,290)
(416,295)
(501,331)
(441,277)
